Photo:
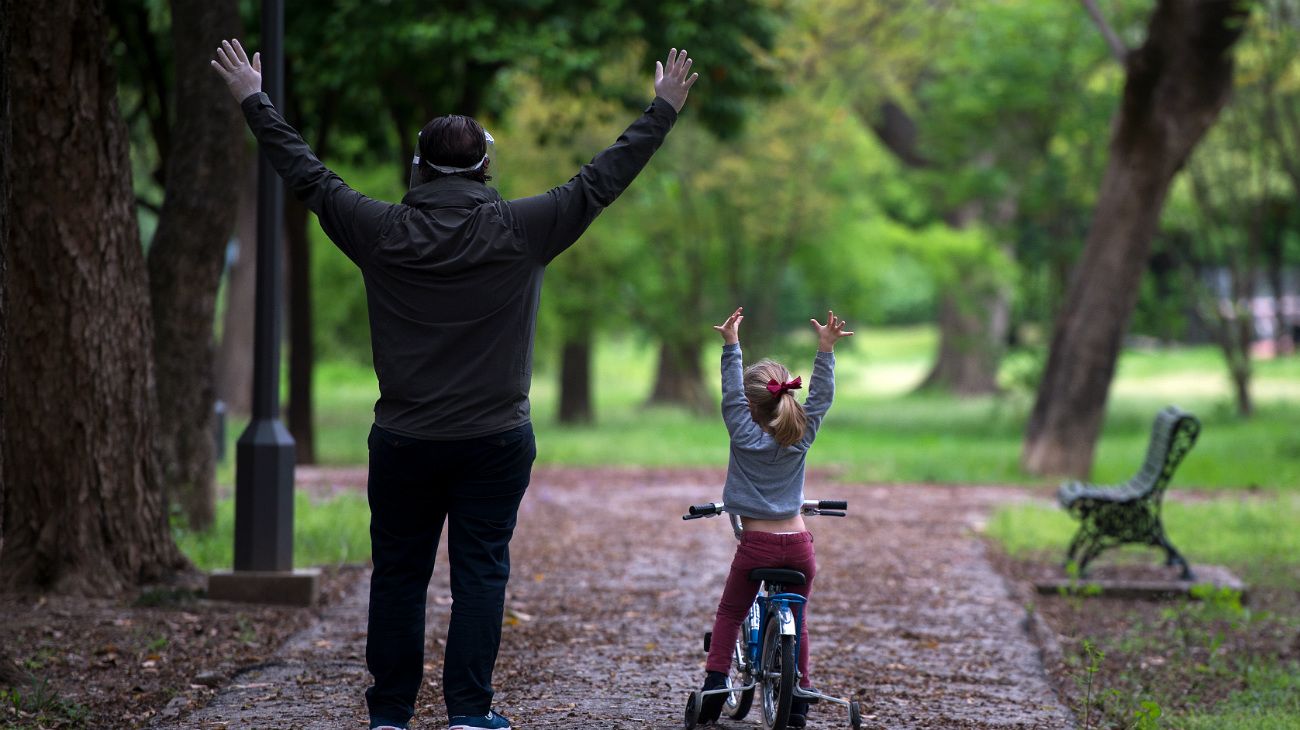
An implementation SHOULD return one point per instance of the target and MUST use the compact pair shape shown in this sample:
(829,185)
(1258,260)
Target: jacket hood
(450,192)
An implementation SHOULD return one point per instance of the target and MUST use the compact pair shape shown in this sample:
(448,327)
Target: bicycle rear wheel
(778,668)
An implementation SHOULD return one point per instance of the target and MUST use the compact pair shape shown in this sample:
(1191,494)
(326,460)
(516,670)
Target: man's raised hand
(243,78)
(671,82)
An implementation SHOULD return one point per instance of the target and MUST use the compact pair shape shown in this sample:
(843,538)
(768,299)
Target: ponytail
(788,423)
(779,414)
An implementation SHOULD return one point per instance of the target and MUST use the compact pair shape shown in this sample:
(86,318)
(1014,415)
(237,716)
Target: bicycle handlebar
(826,507)
(696,511)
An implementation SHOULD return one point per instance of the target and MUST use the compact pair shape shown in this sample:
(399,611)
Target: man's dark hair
(453,141)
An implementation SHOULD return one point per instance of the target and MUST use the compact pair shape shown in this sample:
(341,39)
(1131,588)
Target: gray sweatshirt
(764,479)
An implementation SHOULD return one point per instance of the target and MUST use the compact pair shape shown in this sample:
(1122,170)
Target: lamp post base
(264,461)
(283,588)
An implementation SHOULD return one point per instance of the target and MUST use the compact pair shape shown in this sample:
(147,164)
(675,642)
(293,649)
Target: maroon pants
(760,550)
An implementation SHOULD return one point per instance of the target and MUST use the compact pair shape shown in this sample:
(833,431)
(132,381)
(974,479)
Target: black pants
(475,485)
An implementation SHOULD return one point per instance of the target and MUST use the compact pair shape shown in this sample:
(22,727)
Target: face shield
(417,177)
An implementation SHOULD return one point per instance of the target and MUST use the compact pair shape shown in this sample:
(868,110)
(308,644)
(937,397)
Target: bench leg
(1173,557)
(1094,549)
(1075,543)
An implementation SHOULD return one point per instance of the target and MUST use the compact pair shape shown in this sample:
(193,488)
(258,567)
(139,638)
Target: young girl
(770,437)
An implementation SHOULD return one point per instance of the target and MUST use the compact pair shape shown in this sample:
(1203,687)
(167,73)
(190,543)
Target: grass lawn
(878,430)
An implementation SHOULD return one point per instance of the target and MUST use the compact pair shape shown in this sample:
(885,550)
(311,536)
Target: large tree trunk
(235,354)
(302,354)
(1175,85)
(189,251)
(83,498)
(679,379)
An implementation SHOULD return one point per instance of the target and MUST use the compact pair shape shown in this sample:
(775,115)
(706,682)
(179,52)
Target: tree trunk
(83,498)
(1175,85)
(972,338)
(5,152)
(1276,216)
(235,354)
(679,380)
(973,320)
(302,355)
(189,251)
(974,315)
(1239,368)
(575,378)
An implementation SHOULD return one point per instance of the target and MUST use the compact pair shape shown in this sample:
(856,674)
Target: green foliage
(346,59)
(1148,716)
(1092,659)
(1004,130)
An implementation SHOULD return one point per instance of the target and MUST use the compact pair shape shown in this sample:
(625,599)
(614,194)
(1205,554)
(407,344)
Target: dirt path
(611,592)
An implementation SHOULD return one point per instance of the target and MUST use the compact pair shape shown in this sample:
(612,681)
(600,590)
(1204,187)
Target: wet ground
(611,592)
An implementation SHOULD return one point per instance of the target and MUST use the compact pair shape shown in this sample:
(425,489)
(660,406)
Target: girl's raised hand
(730,330)
(829,333)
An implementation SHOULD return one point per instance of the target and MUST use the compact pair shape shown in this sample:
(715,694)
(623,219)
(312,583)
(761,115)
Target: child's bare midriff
(789,524)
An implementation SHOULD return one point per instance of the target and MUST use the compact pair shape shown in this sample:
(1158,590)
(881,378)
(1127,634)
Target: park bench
(1128,513)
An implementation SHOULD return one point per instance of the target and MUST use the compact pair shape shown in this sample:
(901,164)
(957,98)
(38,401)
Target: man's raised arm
(552,221)
(350,219)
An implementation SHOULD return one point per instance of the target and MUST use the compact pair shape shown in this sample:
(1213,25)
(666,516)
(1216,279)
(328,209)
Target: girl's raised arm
(735,407)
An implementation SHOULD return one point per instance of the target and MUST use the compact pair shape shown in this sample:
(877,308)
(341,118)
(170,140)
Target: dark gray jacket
(453,273)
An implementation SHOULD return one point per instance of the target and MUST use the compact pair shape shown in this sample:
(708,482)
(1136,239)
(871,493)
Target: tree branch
(899,133)
(1117,47)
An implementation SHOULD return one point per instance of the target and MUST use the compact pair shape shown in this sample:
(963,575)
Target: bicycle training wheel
(778,669)
(692,715)
(738,703)
(855,716)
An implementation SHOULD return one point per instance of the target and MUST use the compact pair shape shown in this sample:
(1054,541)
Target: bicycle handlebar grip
(700,510)
(832,504)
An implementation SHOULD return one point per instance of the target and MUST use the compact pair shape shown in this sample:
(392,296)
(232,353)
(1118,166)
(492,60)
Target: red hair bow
(777,389)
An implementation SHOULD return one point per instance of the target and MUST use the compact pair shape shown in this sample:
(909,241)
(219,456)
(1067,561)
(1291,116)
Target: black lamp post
(264,455)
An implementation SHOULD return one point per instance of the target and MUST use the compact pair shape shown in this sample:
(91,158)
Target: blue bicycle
(766,657)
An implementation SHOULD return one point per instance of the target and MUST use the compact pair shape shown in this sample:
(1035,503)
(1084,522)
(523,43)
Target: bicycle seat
(781,576)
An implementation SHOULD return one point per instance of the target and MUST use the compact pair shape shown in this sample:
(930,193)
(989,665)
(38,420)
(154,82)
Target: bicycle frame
(765,603)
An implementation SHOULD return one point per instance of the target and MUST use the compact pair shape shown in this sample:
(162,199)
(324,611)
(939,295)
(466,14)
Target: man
(453,277)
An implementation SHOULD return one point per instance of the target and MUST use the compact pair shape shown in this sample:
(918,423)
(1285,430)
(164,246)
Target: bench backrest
(1172,436)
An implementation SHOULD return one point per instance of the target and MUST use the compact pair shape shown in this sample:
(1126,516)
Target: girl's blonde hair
(780,415)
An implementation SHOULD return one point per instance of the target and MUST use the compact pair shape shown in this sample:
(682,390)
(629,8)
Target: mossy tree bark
(83,500)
